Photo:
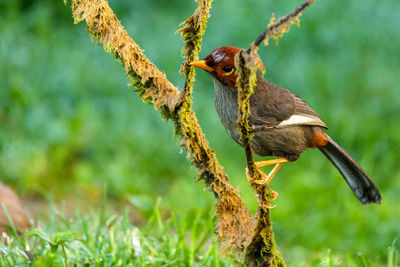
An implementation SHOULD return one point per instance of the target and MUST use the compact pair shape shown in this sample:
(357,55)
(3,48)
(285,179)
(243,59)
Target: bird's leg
(260,164)
(266,179)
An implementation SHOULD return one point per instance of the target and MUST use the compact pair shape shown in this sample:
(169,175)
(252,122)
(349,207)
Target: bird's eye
(227,68)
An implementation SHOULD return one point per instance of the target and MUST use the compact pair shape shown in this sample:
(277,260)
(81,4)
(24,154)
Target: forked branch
(261,248)
(235,222)
(237,231)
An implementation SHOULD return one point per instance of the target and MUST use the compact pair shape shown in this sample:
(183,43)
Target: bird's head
(220,64)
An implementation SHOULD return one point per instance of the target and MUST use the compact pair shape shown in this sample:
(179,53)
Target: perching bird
(290,124)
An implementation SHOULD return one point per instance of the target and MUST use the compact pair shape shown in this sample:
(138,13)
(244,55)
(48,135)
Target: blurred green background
(71,126)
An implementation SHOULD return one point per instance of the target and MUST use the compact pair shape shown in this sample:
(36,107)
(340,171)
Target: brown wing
(272,105)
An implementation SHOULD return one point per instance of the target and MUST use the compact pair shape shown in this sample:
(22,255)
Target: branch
(277,29)
(247,65)
(261,248)
(192,32)
(233,229)
(235,222)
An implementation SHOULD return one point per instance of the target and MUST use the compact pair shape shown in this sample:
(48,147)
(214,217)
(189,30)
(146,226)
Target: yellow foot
(264,163)
(261,181)
(266,179)
(273,196)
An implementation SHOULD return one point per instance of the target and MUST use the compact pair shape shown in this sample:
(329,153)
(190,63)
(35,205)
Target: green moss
(261,249)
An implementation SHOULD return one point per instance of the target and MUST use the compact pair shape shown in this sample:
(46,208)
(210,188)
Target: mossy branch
(192,32)
(261,248)
(278,28)
(235,222)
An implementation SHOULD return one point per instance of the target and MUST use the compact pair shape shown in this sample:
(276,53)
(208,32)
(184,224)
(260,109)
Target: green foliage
(97,240)
(69,123)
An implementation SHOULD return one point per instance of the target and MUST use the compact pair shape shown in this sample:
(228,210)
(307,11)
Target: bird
(287,124)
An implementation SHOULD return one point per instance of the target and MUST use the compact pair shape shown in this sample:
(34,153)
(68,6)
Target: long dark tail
(357,179)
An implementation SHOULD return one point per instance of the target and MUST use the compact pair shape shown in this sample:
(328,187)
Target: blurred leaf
(42,235)
(68,236)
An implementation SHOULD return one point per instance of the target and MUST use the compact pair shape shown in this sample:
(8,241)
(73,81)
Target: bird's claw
(272,195)
(255,129)
(263,179)
(268,206)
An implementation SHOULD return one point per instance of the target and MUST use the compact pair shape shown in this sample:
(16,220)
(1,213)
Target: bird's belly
(288,142)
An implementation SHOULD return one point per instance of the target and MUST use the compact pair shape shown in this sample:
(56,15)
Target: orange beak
(202,65)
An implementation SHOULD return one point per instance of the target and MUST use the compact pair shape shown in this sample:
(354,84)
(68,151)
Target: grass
(103,238)
(68,125)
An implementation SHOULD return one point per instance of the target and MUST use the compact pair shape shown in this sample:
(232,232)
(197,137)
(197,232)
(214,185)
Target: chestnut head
(220,64)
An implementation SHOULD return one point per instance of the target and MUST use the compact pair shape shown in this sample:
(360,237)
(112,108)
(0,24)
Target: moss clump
(192,32)
(276,29)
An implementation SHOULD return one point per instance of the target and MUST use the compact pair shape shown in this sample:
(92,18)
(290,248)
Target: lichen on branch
(261,248)
(276,29)
(103,25)
(192,32)
(247,65)
(235,223)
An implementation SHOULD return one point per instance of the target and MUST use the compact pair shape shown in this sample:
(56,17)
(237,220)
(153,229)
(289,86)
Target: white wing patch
(301,120)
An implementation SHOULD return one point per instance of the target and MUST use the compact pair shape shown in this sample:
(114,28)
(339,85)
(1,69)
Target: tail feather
(356,178)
